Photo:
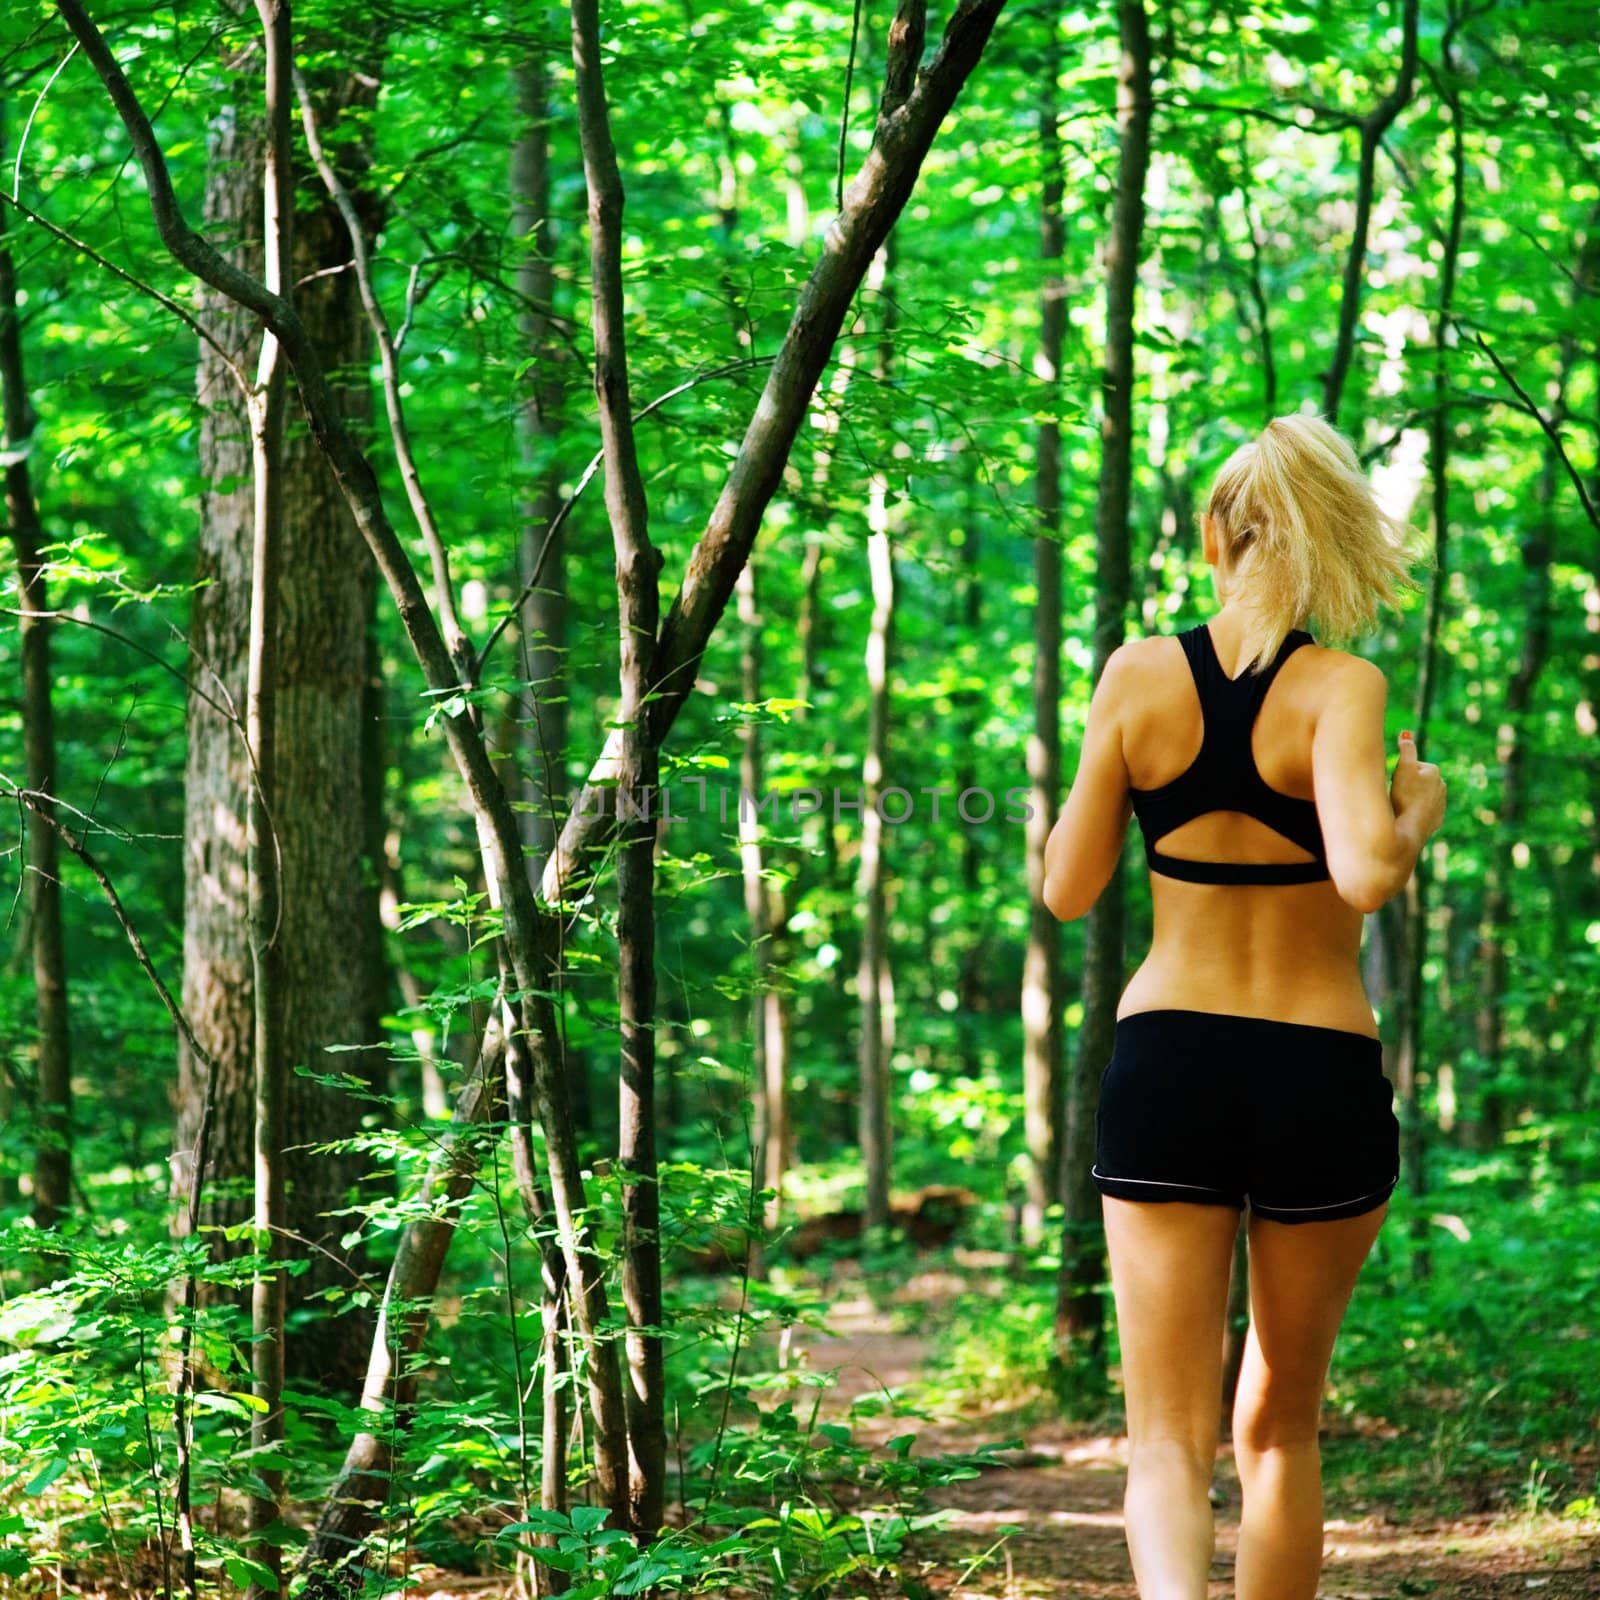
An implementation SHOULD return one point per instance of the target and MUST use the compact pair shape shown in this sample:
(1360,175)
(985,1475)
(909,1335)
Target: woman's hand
(1417,789)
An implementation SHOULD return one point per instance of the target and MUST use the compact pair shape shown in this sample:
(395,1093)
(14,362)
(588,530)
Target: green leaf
(42,1479)
(235,1404)
(244,1572)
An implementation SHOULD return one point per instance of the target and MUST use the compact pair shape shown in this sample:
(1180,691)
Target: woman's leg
(1169,1273)
(1301,1279)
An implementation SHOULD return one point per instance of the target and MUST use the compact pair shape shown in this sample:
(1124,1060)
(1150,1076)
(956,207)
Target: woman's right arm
(1372,833)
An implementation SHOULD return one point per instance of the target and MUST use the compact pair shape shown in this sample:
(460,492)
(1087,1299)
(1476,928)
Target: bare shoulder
(1133,669)
(1135,658)
(1352,670)
(1350,680)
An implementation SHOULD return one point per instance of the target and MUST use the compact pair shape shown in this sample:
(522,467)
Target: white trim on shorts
(1371,1194)
(1200,1188)
(1159,1183)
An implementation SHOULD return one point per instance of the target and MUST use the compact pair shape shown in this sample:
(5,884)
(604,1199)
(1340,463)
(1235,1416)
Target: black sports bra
(1223,776)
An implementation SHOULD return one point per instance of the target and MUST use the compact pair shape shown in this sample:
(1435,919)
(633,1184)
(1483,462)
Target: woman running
(1246,1071)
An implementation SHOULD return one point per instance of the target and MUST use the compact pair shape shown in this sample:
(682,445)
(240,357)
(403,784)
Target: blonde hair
(1300,535)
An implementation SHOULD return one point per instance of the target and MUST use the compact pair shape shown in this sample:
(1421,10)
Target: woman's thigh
(1301,1278)
(1169,1275)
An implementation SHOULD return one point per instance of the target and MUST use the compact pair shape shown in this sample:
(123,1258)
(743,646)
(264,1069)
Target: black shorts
(1295,1120)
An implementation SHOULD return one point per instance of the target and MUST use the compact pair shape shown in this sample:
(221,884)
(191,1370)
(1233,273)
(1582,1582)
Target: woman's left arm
(1085,844)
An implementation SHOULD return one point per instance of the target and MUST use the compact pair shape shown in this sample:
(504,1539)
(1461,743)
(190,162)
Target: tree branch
(871,204)
(1373,126)
(127,277)
(743,365)
(1551,432)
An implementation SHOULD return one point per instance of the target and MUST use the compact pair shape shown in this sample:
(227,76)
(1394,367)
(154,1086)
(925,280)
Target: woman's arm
(1084,846)
(1371,847)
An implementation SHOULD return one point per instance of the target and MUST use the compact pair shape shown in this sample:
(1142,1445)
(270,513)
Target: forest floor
(1064,1493)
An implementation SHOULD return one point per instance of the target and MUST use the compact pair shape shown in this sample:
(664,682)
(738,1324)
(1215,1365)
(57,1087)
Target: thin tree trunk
(1413,924)
(1080,1311)
(639,607)
(813,618)
(769,1155)
(972,981)
(1484,1124)
(543,617)
(1371,130)
(52,1166)
(1042,983)
(765,909)
(876,1133)
(363,1485)
(553,1487)
(1588,715)
(267,408)
(542,749)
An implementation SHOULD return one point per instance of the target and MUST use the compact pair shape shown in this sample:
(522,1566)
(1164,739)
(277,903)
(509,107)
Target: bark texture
(540,553)
(764,910)
(329,936)
(1411,923)
(266,409)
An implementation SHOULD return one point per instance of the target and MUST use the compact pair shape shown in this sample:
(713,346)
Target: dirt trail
(1066,1494)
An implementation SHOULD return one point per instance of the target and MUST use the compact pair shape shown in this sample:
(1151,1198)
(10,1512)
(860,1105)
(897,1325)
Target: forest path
(1065,1493)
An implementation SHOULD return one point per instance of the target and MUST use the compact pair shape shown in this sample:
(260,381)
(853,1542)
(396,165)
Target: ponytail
(1301,536)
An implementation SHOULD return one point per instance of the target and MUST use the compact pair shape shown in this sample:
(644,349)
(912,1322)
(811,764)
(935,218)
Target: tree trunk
(542,620)
(974,973)
(638,778)
(362,1488)
(553,1487)
(1413,920)
(1080,1311)
(52,1166)
(266,410)
(544,613)
(1042,985)
(216,970)
(763,909)
(329,942)
(877,1039)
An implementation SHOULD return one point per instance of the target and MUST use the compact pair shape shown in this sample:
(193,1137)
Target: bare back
(1284,951)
